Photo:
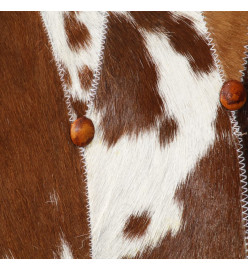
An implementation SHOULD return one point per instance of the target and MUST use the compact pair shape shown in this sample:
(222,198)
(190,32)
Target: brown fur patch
(127,92)
(67,77)
(39,163)
(182,35)
(229,33)
(211,221)
(136,225)
(79,107)
(86,77)
(167,131)
(77,33)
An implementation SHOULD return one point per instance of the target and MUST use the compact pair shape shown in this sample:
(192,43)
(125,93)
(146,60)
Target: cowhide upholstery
(163,175)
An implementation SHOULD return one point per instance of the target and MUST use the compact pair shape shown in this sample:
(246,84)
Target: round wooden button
(233,95)
(82,131)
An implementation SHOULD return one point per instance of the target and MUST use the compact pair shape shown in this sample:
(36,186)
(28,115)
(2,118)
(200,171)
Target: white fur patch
(65,251)
(74,61)
(138,175)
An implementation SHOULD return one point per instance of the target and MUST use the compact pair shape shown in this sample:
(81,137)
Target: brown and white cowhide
(161,179)
(162,171)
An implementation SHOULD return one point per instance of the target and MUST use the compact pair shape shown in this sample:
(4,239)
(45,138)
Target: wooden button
(233,95)
(82,131)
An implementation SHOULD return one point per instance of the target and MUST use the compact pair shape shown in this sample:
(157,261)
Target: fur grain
(229,33)
(37,157)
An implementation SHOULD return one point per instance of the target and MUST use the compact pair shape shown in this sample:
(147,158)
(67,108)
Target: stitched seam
(90,105)
(97,72)
(236,131)
(243,174)
(93,90)
(245,62)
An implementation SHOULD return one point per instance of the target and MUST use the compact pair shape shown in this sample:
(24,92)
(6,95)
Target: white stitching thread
(236,130)
(61,73)
(245,61)
(243,175)
(241,157)
(93,90)
(213,50)
(97,72)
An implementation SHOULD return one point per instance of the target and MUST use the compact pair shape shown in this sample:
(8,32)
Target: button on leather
(82,131)
(233,95)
